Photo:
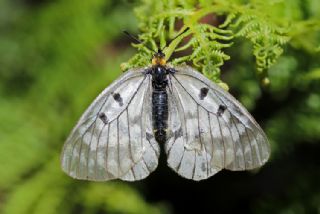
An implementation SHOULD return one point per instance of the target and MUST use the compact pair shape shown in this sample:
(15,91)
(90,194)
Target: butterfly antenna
(136,40)
(170,41)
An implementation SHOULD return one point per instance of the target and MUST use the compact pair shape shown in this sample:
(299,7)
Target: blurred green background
(56,56)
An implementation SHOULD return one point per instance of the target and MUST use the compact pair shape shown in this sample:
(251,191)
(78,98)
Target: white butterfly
(206,129)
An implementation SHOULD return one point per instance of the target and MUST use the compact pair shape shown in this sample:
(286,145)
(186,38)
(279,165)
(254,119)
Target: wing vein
(152,147)
(118,145)
(259,145)
(129,136)
(202,144)
(240,141)
(224,148)
(80,150)
(89,148)
(231,136)
(141,119)
(184,117)
(194,165)
(107,148)
(210,127)
(258,153)
(249,145)
(98,141)
(145,163)
(73,146)
(179,165)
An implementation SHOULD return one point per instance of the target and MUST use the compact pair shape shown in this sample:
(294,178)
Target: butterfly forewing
(110,140)
(215,132)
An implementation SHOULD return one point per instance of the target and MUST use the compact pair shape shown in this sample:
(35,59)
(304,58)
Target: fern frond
(267,38)
(160,21)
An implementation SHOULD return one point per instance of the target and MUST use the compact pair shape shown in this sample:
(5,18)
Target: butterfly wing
(209,129)
(113,138)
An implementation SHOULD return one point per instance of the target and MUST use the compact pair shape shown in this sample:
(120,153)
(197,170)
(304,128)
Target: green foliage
(57,56)
(266,31)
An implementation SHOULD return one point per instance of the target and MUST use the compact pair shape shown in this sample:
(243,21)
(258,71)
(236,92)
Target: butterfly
(204,129)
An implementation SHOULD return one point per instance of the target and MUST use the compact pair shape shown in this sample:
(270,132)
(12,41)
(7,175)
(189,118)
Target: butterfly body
(159,105)
(159,73)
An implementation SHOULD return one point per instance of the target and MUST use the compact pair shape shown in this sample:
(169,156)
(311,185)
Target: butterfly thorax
(159,77)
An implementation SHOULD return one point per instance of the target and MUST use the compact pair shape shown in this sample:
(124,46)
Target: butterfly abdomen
(159,103)
(160,114)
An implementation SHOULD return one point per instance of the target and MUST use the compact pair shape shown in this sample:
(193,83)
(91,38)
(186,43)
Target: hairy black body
(159,102)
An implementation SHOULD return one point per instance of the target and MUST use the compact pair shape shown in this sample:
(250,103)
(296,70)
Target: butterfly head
(159,58)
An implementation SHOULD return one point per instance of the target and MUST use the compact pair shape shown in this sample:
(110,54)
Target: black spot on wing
(221,109)
(203,93)
(103,117)
(117,97)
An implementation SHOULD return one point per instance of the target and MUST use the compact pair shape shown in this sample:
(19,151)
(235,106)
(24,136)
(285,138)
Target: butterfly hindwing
(187,153)
(113,138)
(214,131)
